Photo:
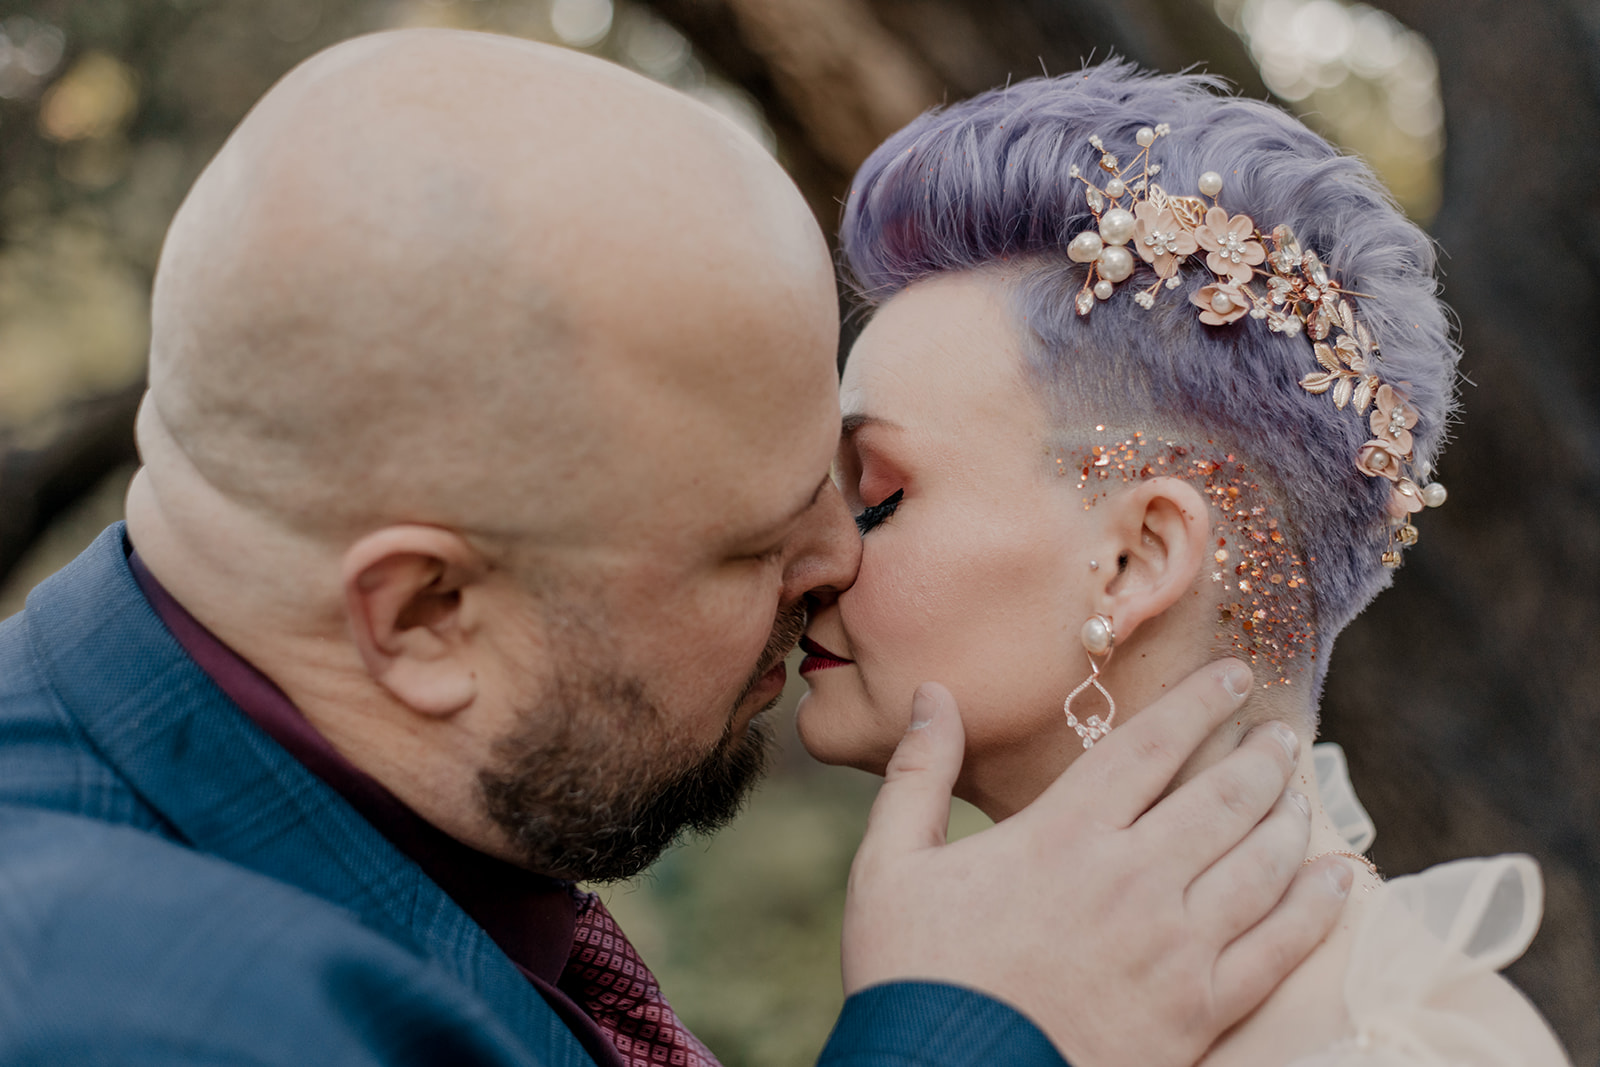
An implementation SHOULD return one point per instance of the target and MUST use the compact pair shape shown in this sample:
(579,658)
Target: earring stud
(1097,635)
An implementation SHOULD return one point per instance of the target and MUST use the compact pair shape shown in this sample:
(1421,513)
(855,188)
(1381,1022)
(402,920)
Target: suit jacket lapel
(227,789)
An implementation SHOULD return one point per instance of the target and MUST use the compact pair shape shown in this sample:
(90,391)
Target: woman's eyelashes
(873,515)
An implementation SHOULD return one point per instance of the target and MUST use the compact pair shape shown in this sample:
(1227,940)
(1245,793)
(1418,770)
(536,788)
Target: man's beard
(598,781)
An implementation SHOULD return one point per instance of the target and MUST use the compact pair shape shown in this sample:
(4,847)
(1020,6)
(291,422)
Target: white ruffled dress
(1420,989)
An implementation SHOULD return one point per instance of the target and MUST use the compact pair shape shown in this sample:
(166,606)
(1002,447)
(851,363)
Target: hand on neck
(1003,779)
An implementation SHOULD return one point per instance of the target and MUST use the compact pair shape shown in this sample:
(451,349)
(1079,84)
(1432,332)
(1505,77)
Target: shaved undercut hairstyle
(987,181)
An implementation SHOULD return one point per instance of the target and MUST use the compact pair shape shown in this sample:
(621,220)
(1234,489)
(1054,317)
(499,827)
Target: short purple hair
(986,181)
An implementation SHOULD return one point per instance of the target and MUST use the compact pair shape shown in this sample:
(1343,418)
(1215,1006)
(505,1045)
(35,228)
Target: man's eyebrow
(816,495)
(859,419)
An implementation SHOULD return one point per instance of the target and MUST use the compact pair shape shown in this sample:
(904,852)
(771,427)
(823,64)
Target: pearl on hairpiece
(1116,226)
(1210,183)
(1145,137)
(1085,248)
(1115,188)
(1097,635)
(1221,304)
(1102,289)
(1115,263)
(1433,494)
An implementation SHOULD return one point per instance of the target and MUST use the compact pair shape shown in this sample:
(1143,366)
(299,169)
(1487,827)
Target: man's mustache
(787,630)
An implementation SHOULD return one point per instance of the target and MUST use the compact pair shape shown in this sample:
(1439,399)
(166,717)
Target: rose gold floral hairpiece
(1299,297)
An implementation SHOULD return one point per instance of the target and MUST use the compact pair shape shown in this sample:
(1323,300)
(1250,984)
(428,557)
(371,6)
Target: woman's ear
(403,590)
(1159,530)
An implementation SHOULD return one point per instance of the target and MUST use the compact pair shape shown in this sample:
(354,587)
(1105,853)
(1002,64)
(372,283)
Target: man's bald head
(432,272)
(492,400)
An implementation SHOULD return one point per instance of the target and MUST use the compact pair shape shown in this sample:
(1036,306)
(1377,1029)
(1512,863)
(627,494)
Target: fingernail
(1299,800)
(1237,680)
(923,709)
(1340,876)
(1287,738)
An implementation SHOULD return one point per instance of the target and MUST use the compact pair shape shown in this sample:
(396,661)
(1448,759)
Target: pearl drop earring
(1098,638)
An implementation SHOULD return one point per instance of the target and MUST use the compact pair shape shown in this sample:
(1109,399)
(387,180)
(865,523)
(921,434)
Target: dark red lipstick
(819,658)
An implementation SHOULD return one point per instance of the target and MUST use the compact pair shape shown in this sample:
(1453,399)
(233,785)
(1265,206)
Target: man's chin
(606,817)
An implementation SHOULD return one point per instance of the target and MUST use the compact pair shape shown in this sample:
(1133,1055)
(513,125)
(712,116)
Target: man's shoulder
(123,947)
(45,759)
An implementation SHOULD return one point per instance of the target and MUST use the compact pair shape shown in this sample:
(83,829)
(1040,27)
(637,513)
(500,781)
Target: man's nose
(827,551)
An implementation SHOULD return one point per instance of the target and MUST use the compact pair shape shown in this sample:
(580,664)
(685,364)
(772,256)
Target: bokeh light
(1358,76)
(29,53)
(581,23)
(93,99)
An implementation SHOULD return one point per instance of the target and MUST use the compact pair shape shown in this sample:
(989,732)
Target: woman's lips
(819,658)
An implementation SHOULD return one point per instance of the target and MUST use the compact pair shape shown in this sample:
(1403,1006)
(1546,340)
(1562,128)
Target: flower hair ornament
(1267,277)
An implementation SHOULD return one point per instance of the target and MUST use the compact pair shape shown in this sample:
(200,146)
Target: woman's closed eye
(876,513)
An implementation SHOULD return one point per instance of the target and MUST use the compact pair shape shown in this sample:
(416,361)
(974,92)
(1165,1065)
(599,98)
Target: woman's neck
(1006,777)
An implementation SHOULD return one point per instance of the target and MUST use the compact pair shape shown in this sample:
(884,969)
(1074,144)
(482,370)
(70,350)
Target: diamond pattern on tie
(606,976)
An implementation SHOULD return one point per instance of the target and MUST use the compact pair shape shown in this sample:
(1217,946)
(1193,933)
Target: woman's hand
(1134,932)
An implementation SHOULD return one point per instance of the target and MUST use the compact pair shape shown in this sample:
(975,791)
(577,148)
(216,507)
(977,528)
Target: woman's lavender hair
(985,181)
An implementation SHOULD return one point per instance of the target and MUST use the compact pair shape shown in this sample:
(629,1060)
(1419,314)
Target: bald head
(492,402)
(442,277)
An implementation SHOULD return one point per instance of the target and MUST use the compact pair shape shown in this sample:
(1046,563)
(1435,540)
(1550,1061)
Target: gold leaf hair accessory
(1270,278)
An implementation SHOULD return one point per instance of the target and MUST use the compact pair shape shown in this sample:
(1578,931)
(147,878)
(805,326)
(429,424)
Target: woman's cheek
(887,612)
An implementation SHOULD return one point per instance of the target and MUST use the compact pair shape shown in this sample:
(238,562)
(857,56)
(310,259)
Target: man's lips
(819,658)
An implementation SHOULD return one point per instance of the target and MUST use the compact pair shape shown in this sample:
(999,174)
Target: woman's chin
(832,733)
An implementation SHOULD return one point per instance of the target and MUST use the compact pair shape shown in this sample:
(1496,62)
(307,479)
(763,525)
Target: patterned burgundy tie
(606,976)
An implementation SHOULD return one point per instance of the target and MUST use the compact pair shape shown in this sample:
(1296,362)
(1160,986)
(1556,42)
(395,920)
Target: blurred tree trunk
(38,482)
(1465,696)
(835,77)
(199,67)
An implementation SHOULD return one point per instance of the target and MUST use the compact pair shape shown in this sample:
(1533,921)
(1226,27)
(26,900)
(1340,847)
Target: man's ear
(403,591)
(1159,530)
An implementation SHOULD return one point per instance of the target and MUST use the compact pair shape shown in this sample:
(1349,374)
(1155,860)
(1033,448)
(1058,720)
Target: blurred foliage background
(1465,697)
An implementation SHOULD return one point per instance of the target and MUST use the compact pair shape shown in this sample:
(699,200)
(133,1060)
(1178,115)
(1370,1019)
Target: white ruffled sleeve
(1421,990)
(1339,797)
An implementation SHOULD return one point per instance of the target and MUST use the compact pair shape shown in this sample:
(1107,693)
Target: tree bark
(836,77)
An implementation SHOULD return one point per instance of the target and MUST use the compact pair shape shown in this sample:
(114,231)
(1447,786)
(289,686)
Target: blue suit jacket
(175,888)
